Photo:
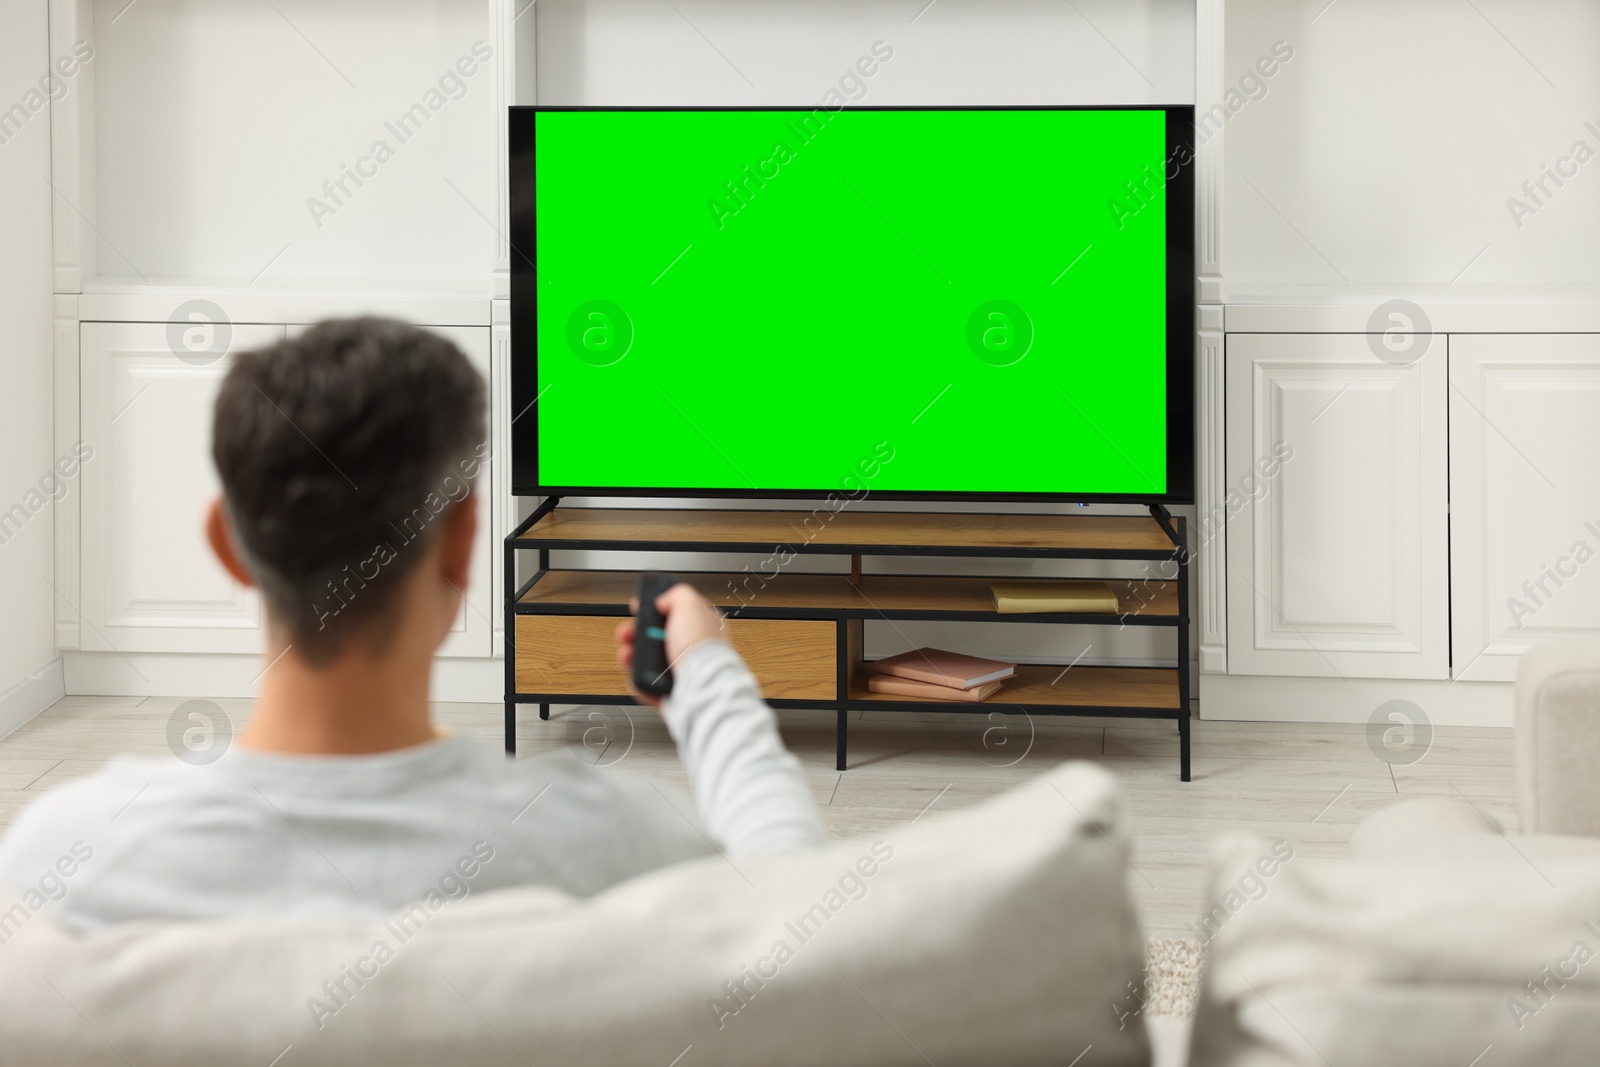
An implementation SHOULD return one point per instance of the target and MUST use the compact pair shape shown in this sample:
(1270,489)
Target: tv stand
(801,634)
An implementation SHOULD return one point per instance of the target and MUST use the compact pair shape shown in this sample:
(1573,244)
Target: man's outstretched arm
(751,794)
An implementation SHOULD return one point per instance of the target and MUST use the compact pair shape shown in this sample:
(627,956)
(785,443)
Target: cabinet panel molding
(1337,566)
(1209,534)
(1525,496)
(150,583)
(68,509)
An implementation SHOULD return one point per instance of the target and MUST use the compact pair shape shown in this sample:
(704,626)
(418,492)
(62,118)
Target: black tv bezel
(1181,279)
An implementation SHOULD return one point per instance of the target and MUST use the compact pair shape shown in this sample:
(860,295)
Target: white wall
(1384,153)
(791,51)
(217,125)
(27,632)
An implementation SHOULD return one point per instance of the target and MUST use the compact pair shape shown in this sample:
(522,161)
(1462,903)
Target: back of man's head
(341,452)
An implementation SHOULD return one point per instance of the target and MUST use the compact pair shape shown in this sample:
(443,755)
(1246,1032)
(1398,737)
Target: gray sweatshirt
(364,836)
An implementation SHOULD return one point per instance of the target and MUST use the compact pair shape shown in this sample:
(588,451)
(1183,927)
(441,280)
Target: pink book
(945,668)
(905,687)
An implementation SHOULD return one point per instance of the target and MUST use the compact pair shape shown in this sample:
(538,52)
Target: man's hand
(690,621)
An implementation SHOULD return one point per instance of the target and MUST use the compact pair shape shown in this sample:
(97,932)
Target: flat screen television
(937,303)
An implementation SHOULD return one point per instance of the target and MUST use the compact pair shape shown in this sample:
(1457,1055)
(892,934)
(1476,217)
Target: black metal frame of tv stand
(1173,526)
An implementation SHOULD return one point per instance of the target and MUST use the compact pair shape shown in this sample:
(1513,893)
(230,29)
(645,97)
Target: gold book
(1036,598)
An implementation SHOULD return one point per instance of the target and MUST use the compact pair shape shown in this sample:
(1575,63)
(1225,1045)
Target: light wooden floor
(1309,784)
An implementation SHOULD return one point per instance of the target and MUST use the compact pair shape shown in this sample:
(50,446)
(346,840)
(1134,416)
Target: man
(346,457)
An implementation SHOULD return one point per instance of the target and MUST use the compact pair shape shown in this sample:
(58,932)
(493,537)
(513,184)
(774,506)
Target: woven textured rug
(1172,968)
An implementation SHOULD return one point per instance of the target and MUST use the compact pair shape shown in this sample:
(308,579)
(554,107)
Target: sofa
(1443,940)
(1002,934)
(998,934)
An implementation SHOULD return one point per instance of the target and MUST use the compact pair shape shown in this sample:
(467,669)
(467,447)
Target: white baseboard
(1256,698)
(469,681)
(32,695)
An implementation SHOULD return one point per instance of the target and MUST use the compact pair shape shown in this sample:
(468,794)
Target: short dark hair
(337,450)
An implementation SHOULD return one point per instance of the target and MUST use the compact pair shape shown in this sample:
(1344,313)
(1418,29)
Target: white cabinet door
(1338,566)
(1525,496)
(473,633)
(150,583)
(149,580)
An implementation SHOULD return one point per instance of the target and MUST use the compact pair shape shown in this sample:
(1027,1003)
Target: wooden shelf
(833,594)
(1051,686)
(853,532)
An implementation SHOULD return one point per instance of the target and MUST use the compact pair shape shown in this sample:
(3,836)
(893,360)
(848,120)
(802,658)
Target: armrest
(1558,739)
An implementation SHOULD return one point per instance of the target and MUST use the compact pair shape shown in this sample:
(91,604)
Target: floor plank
(21,773)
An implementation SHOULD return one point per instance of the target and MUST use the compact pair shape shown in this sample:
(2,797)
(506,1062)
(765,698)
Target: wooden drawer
(577,655)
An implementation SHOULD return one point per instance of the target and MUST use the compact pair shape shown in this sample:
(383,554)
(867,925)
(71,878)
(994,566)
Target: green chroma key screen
(930,302)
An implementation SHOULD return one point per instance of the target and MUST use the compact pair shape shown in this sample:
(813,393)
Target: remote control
(651,672)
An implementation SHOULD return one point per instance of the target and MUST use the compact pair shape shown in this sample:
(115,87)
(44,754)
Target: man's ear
(456,538)
(220,534)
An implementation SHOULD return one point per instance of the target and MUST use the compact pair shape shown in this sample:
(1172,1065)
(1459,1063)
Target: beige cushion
(999,934)
(1558,739)
(1425,828)
(1418,961)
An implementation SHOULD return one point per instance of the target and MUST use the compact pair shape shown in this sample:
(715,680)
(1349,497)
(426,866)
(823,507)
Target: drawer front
(577,654)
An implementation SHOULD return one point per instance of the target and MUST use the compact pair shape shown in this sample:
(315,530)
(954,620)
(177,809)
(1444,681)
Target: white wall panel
(217,124)
(791,52)
(26,454)
(1386,151)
